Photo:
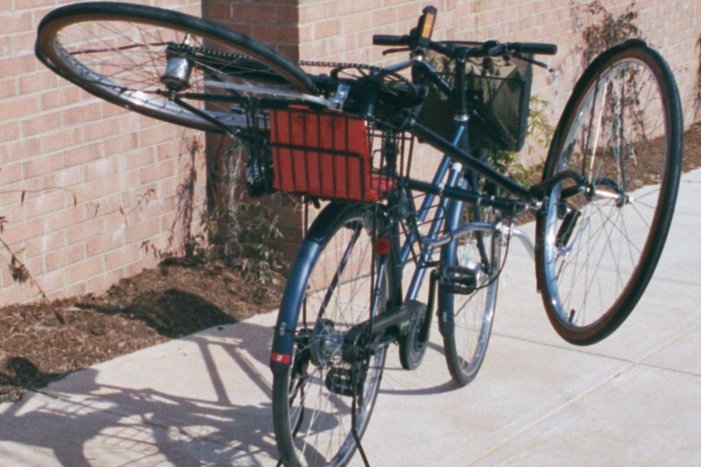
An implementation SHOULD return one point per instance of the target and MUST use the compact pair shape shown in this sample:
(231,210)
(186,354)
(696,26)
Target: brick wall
(84,166)
(83,184)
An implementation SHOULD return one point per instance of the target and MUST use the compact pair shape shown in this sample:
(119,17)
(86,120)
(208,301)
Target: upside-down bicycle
(346,133)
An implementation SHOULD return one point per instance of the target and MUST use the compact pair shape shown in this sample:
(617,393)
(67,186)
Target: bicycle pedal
(458,280)
(340,381)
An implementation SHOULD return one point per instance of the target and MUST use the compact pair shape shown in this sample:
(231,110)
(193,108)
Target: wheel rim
(618,140)
(124,59)
(320,418)
(474,313)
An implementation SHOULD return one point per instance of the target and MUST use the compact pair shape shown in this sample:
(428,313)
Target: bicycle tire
(119,52)
(312,416)
(597,248)
(466,318)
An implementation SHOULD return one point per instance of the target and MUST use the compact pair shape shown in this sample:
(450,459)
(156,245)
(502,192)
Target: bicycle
(602,209)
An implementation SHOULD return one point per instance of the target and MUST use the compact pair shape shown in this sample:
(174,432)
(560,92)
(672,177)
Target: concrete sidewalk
(205,400)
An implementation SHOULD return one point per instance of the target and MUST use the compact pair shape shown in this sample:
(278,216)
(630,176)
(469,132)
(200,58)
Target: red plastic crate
(323,154)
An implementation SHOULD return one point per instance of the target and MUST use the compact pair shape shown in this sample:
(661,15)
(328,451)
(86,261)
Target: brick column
(275,23)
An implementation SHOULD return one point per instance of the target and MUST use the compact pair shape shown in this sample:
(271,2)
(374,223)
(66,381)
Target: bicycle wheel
(326,391)
(597,246)
(468,294)
(164,64)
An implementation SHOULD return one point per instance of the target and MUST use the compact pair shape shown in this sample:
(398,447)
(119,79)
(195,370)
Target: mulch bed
(43,341)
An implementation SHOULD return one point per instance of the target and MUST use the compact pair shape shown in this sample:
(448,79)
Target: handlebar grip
(535,48)
(385,39)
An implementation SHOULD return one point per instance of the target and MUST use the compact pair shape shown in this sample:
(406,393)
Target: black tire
(312,416)
(119,52)
(470,315)
(597,248)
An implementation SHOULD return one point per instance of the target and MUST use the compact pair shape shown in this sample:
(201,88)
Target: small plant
(601,29)
(241,234)
(18,270)
(538,134)
(254,252)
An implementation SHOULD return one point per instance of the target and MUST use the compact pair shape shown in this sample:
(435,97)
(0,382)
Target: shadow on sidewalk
(112,417)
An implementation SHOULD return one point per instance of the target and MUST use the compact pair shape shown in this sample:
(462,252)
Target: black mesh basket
(499,93)
(501,103)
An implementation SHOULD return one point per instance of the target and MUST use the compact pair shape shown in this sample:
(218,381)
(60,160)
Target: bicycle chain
(360,66)
(324,64)
(206,51)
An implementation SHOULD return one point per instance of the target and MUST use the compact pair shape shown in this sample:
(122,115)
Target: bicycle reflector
(424,30)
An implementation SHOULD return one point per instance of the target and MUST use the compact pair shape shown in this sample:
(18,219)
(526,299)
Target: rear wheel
(165,64)
(322,403)
(598,245)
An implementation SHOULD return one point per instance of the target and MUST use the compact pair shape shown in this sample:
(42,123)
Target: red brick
(8,88)
(104,242)
(68,178)
(9,131)
(24,41)
(43,122)
(82,154)
(254,13)
(61,139)
(63,257)
(99,129)
(60,97)
(38,205)
(61,220)
(88,112)
(17,233)
(274,34)
(120,144)
(32,4)
(38,166)
(123,257)
(84,270)
(19,21)
(19,107)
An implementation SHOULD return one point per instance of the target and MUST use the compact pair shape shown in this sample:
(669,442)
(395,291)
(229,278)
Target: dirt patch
(42,342)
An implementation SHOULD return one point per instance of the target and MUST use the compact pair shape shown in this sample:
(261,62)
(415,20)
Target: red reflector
(383,246)
(280,358)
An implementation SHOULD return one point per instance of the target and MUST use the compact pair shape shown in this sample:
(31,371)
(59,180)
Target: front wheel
(468,293)
(598,242)
(323,400)
(164,64)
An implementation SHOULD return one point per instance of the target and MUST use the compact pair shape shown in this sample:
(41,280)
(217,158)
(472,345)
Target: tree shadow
(171,312)
(96,331)
(102,415)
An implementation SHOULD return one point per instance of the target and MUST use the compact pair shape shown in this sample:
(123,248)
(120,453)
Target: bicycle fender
(314,240)
(283,339)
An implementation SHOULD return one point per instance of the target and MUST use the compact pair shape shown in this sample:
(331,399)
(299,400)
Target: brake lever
(396,50)
(535,62)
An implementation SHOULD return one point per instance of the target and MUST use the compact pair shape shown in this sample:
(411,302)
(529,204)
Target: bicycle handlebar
(484,49)
(390,40)
(535,48)
(420,39)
